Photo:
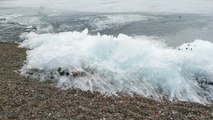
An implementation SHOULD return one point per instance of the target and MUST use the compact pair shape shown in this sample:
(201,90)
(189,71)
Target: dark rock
(110,110)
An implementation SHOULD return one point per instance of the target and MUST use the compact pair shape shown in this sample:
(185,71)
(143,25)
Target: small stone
(110,110)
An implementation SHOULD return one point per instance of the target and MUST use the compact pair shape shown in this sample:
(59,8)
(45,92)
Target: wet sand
(24,98)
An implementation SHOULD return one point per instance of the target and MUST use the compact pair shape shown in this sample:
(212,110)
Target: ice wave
(123,64)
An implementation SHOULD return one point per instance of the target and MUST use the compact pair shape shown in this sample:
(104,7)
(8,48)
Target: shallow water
(174,29)
(175,24)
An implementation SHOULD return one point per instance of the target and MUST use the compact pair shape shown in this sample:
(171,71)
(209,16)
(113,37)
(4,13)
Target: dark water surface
(174,29)
(20,16)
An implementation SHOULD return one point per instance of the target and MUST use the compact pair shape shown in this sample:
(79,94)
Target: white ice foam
(123,64)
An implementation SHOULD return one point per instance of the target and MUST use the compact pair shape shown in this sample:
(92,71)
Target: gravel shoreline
(24,98)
